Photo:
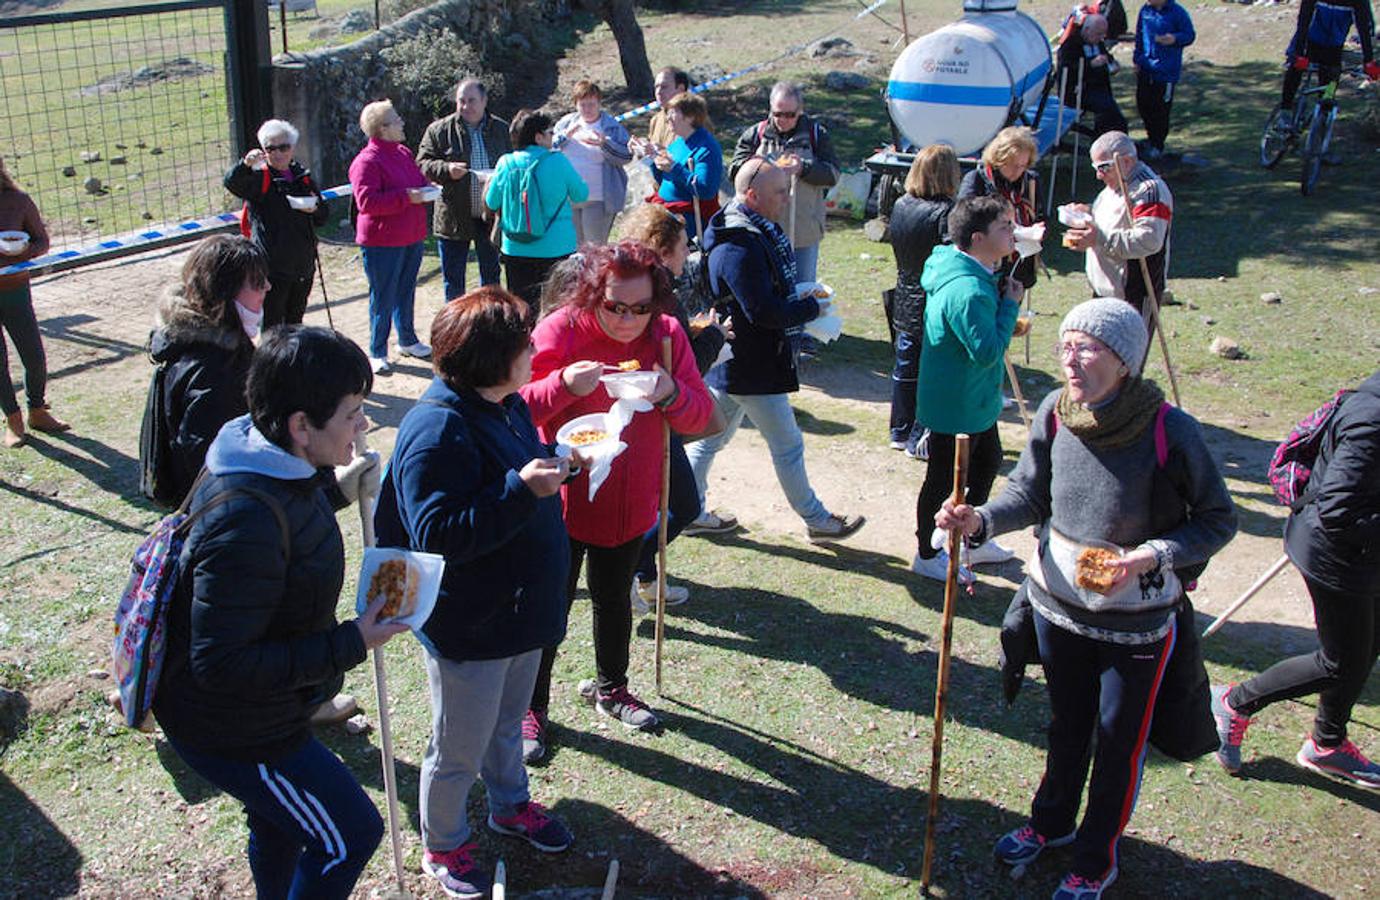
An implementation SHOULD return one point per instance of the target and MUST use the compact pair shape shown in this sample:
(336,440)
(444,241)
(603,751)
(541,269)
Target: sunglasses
(1100,167)
(277,148)
(623,310)
(786,113)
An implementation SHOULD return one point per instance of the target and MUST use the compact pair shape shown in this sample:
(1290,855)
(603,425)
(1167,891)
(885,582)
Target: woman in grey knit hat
(1109,465)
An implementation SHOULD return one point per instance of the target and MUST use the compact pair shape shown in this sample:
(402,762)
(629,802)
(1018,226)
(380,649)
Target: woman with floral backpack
(1333,537)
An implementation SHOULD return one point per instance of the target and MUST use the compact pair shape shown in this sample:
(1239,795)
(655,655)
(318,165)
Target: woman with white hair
(282,210)
(1130,506)
(389,192)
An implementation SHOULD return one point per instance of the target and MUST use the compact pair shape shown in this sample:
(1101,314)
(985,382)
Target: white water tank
(962,84)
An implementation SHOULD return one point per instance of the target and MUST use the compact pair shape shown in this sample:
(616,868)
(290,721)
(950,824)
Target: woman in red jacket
(620,309)
(390,192)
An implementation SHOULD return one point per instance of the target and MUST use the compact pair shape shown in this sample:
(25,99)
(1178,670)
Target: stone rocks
(118,160)
(358,724)
(1271,297)
(357,21)
(91,156)
(846,81)
(876,230)
(92,185)
(705,72)
(834,46)
(69,171)
(1226,348)
(156,151)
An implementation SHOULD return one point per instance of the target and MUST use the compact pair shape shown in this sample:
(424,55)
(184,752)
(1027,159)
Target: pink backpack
(1292,463)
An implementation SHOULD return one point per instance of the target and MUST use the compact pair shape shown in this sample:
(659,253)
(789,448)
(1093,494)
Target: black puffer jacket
(1335,538)
(287,235)
(203,387)
(917,226)
(252,641)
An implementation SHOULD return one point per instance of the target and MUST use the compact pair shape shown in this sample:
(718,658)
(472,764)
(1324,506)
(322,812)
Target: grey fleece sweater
(1088,494)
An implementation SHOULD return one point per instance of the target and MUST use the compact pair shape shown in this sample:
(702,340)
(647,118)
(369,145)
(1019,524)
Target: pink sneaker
(531,823)
(458,873)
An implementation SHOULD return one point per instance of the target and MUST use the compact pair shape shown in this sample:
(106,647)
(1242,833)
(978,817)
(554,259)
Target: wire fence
(117,119)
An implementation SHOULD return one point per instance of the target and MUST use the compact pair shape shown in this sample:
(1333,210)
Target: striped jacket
(1111,264)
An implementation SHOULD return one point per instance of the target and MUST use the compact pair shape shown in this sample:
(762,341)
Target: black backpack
(155,445)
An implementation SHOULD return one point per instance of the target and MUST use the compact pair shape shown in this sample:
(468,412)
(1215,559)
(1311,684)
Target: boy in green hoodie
(969,320)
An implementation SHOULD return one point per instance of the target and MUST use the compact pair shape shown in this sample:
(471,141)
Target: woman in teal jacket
(537,224)
(968,326)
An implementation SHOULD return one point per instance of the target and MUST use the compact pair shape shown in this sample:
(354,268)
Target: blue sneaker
(1020,847)
(1076,887)
(1344,761)
(457,872)
(531,823)
(1231,728)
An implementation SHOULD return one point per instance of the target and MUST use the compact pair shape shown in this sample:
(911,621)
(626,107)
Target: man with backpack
(800,146)
(1333,537)
(252,638)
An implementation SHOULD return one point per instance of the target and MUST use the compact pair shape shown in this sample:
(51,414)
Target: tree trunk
(632,49)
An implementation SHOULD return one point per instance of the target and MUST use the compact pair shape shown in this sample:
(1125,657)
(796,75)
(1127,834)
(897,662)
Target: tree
(632,49)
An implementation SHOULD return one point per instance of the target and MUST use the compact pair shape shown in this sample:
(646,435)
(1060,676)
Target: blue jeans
(903,377)
(392,273)
(683,508)
(807,263)
(1110,689)
(774,419)
(455,255)
(312,829)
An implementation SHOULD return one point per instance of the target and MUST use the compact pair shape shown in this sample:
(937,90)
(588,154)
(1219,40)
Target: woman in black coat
(919,223)
(204,347)
(284,208)
(252,638)
(1334,540)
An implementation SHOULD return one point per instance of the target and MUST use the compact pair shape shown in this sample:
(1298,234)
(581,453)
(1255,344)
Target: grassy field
(799,679)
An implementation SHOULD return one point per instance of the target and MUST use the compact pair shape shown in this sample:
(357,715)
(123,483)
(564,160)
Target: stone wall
(322,92)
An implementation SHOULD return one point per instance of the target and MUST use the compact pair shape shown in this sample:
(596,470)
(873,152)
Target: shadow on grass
(31,835)
(65,328)
(1282,771)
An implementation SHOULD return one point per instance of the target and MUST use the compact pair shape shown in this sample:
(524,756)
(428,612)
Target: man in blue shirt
(1163,30)
(1318,39)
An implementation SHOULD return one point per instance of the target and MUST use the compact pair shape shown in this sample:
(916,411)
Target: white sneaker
(645,591)
(937,568)
(989,553)
(379,366)
(640,607)
(418,350)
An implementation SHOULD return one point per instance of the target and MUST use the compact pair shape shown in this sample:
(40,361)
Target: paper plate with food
(408,581)
(13,243)
(817,289)
(628,380)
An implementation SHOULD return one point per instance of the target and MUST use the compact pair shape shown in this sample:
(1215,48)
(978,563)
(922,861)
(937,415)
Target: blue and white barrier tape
(128,242)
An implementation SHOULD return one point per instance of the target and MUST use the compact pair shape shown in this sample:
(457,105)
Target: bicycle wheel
(1315,145)
(1276,138)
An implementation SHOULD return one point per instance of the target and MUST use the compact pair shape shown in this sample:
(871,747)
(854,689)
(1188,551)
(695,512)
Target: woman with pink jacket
(390,229)
(619,309)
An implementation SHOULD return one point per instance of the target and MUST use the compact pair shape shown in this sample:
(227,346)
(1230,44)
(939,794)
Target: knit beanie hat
(1115,323)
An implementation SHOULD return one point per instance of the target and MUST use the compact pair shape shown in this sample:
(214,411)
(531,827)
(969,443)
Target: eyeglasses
(1084,353)
(786,113)
(277,148)
(623,310)
(1100,167)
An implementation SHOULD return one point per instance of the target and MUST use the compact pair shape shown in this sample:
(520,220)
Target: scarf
(1120,422)
(784,257)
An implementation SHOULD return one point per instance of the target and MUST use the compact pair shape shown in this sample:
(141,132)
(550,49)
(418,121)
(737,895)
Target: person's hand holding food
(1084,238)
(256,159)
(457,170)
(664,161)
(582,377)
(665,386)
(374,632)
(544,477)
(790,164)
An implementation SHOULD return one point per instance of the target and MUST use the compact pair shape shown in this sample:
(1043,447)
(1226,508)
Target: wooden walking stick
(1275,569)
(325,299)
(1016,389)
(610,881)
(390,784)
(941,685)
(1155,325)
(661,520)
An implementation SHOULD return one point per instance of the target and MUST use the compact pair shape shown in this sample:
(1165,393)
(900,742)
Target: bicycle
(1309,123)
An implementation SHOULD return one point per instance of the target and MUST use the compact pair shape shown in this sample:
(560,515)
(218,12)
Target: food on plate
(820,292)
(629,365)
(586,436)
(1022,325)
(397,581)
(1096,571)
